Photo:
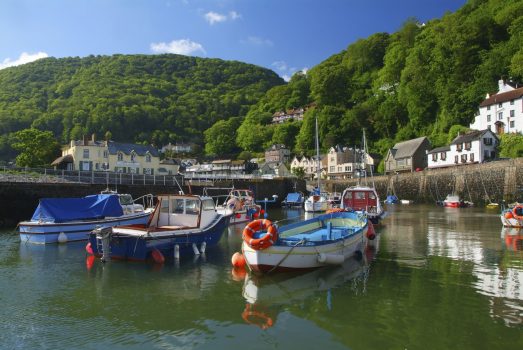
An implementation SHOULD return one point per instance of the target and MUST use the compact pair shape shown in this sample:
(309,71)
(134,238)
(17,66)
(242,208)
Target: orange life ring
(263,242)
(335,210)
(518,209)
(265,321)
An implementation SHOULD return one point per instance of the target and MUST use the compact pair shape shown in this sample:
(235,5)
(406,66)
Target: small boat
(60,220)
(238,202)
(363,199)
(512,216)
(180,224)
(391,199)
(406,201)
(334,199)
(293,199)
(454,201)
(492,205)
(316,202)
(327,239)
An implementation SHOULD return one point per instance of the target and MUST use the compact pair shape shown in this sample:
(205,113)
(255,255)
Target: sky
(286,36)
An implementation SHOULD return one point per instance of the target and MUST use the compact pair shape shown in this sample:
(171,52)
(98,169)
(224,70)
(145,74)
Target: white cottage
(475,146)
(501,112)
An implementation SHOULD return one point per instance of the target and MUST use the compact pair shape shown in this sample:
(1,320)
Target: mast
(318,171)
(364,161)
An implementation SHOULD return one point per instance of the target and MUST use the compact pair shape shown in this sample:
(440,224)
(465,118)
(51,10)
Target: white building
(310,165)
(501,112)
(473,147)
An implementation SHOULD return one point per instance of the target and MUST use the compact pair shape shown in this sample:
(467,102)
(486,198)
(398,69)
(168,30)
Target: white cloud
(182,47)
(214,17)
(257,41)
(23,59)
(285,71)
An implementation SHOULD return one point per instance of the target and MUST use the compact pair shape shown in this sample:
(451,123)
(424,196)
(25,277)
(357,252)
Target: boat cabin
(360,199)
(183,211)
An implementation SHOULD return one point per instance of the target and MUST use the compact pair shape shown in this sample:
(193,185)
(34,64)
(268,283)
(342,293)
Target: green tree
(511,146)
(220,138)
(36,148)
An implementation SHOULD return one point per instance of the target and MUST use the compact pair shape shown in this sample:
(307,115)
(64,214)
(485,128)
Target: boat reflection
(266,294)
(513,238)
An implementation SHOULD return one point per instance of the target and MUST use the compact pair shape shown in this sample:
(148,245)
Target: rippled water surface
(438,278)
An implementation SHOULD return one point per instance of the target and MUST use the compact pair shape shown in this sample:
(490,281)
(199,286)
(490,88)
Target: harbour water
(437,278)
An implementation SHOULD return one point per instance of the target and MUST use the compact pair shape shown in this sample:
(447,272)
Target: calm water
(438,279)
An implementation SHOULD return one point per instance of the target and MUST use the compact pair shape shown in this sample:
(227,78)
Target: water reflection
(267,295)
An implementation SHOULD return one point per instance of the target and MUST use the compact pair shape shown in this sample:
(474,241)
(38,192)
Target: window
(487,141)
(492,154)
(500,105)
(463,158)
(486,154)
(120,156)
(468,146)
(512,113)
(147,171)
(472,157)
(500,115)
(456,159)
(434,157)
(148,158)
(488,108)
(331,169)
(86,153)
(512,124)
(443,155)
(488,117)
(106,154)
(164,207)
(459,147)
(511,102)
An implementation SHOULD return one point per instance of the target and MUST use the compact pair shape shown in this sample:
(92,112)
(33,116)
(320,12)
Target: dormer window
(133,156)
(120,156)
(148,157)
(468,146)
(500,105)
(459,147)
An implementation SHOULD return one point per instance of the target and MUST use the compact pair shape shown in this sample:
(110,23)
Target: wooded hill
(152,99)
(426,79)
(419,81)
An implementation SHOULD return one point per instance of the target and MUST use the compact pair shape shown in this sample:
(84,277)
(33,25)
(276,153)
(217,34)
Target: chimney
(501,85)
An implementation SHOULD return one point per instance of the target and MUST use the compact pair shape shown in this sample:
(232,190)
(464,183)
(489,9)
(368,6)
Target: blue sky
(283,35)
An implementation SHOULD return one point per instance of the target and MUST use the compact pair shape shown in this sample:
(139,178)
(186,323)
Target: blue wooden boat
(180,224)
(327,239)
(293,199)
(60,220)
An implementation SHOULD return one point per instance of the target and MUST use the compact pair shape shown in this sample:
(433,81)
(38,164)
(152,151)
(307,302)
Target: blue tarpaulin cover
(85,208)
(293,197)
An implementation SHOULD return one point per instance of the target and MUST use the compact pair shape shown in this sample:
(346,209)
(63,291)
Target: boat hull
(511,222)
(315,207)
(139,247)
(328,239)
(50,233)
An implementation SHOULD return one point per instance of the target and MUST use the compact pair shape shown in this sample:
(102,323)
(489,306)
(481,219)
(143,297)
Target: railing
(46,175)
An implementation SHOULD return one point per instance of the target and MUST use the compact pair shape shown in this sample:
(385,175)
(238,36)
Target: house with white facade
(501,112)
(310,165)
(476,146)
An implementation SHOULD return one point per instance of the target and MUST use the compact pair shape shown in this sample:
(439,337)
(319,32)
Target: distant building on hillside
(501,112)
(177,148)
(277,153)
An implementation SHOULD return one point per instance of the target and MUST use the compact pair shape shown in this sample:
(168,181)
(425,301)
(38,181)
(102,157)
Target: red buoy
(157,256)
(238,260)
(89,262)
(89,249)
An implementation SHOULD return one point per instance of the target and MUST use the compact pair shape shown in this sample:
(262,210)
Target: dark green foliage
(135,98)
(36,148)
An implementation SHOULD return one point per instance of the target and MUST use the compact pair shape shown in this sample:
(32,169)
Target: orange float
(263,242)
(335,210)
(517,212)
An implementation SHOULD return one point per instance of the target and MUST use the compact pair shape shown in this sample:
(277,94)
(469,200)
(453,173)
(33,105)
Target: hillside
(418,81)
(136,98)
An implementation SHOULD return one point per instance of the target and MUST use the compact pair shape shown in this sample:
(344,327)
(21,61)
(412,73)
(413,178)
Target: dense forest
(132,98)
(425,79)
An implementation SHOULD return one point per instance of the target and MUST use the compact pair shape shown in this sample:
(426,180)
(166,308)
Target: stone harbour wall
(479,183)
